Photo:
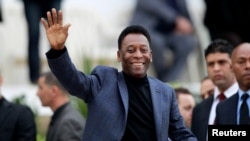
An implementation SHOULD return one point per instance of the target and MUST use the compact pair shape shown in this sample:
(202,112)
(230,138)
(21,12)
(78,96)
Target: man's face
(186,105)
(219,69)
(44,92)
(135,55)
(207,88)
(241,66)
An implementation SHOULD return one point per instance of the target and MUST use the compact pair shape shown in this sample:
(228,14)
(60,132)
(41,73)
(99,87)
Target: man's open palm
(56,32)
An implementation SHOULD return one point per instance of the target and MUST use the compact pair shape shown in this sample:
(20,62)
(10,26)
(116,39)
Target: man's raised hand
(55,31)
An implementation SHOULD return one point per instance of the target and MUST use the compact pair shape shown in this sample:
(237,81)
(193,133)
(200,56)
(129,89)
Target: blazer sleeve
(177,128)
(76,82)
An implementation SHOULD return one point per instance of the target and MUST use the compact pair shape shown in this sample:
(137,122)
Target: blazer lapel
(233,109)
(123,92)
(156,103)
(207,108)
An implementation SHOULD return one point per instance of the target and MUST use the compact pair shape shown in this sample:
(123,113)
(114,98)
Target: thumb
(66,27)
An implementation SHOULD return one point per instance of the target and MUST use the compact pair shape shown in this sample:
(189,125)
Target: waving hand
(55,31)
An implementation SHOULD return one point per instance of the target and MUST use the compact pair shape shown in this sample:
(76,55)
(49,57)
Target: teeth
(137,64)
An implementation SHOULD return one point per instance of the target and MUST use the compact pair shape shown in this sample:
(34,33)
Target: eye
(130,50)
(240,61)
(144,50)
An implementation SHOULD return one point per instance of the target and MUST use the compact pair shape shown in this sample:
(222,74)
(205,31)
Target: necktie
(221,97)
(244,111)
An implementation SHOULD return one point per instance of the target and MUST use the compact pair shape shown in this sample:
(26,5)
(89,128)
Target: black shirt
(140,121)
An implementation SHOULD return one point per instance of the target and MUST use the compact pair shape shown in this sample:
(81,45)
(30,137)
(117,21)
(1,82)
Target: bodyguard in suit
(122,105)
(171,30)
(219,69)
(17,122)
(229,111)
(66,124)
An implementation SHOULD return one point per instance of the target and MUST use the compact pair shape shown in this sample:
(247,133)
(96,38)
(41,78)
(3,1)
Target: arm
(177,129)
(158,8)
(76,82)
(165,12)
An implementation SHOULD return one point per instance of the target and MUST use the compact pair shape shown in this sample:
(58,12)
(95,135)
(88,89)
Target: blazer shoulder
(71,113)
(204,103)
(159,82)
(17,107)
(104,69)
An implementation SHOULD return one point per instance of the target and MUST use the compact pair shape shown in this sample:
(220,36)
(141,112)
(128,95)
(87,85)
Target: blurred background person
(17,122)
(1,15)
(186,103)
(173,39)
(34,10)
(66,124)
(206,88)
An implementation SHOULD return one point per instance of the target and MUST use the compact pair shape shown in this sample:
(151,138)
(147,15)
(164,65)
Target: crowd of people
(129,104)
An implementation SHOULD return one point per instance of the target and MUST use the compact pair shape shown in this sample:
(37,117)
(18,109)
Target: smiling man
(122,105)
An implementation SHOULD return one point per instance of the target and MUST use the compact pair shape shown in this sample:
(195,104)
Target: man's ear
(118,56)
(54,89)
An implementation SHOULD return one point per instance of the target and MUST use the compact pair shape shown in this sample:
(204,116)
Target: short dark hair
(133,29)
(182,90)
(50,79)
(220,46)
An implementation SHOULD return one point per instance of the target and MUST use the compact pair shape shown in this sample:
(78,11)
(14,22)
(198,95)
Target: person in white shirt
(219,69)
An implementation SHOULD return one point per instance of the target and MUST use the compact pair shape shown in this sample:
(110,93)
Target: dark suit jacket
(68,126)
(200,118)
(226,111)
(17,122)
(106,93)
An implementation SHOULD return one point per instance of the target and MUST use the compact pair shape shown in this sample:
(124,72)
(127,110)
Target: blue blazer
(106,93)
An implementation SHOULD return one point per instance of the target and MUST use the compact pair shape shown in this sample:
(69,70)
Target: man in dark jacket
(17,122)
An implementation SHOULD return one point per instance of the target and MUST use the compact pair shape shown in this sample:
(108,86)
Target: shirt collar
(241,92)
(228,92)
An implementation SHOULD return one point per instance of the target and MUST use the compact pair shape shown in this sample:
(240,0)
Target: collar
(241,92)
(228,92)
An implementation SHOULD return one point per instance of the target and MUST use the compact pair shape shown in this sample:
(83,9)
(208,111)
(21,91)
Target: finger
(45,24)
(50,22)
(54,15)
(66,28)
(60,18)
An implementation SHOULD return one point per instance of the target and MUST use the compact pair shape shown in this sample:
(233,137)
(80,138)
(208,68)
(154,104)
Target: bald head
(241,47)
(241,65)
